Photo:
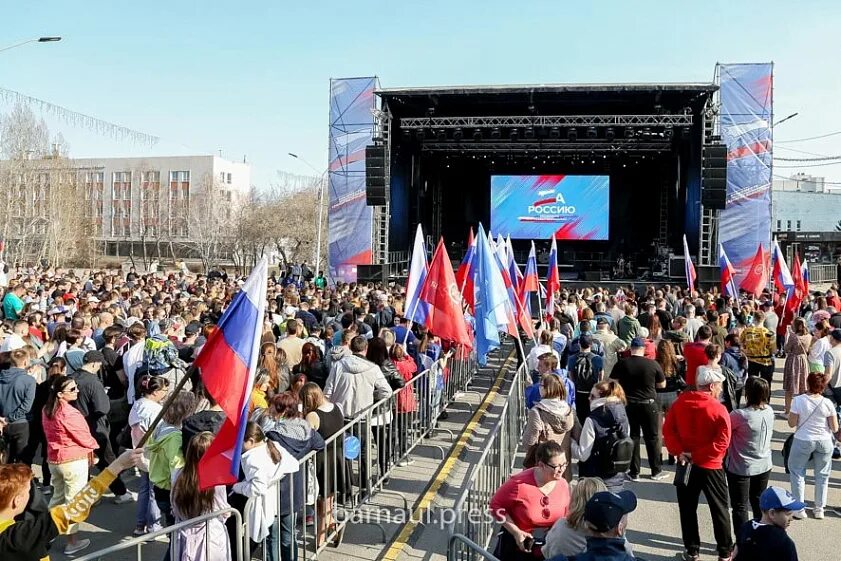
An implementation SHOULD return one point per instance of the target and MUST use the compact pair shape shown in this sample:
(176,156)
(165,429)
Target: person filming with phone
(697,433)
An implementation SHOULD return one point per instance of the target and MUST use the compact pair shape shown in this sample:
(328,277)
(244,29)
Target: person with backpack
(640,377)
(697,432)
(585,369)
(604,448)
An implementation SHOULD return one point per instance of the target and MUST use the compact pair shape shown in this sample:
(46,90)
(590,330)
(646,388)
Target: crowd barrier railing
(214,526)
(333,484)
(471,520)
(822,273)
(314,505)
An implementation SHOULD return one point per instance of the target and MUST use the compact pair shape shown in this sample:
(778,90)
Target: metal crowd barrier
(821,273)
(175,552)
(332,486)
(472,521)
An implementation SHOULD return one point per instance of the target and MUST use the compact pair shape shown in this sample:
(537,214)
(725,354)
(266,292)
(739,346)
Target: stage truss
(678,120)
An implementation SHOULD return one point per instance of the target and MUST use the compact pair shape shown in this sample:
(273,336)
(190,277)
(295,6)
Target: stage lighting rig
(610,133)
(477,135)
(554,132)
(458,134)
(592,133)
(529,133)
(496,133)
(572,134)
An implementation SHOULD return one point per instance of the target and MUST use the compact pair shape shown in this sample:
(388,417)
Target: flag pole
(170,398)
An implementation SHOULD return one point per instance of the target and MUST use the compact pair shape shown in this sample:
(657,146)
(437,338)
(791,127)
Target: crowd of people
(88,360)
(690,377)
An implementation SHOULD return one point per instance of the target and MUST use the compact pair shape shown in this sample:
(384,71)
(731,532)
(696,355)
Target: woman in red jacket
(406,402)
(533,499)
(70,449)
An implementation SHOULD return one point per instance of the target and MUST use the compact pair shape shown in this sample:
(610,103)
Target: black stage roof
(683,87)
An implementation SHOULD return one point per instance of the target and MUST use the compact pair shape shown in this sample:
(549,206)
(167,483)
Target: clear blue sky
(252,78)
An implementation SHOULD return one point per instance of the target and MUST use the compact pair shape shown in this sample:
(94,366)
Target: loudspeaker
(371,273)
(714,176)
(592,276)
(376,193)
(677,267)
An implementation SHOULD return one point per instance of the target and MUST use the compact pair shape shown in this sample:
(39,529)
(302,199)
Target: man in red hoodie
(697,432)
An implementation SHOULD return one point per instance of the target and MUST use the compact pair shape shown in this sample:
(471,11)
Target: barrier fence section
(472,523)
(192,530)
(332,484)
(305,511)
(819,273)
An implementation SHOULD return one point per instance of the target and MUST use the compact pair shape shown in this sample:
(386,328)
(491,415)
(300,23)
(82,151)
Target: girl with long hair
(70,447)
(207,541)
(312,365)
(268,361)
(327,419)
(263,463)
(796,347)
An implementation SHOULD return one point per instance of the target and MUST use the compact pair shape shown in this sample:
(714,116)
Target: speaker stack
(375,189)
(714,176)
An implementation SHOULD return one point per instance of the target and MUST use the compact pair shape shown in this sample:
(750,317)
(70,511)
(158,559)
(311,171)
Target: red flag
(799,290)
(441,293)
(757,278)
(464,275)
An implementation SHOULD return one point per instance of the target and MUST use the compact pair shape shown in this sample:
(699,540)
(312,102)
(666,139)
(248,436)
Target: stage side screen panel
(746,114)
(349,218)
(573,207)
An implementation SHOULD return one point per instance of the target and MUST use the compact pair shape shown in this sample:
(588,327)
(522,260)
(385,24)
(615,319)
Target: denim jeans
(288,547)
(148,513)
(821,451)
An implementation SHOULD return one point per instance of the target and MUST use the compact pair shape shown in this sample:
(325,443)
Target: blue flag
(490,297)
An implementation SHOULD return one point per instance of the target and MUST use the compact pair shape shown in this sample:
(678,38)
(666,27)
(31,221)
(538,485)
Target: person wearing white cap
(697,432)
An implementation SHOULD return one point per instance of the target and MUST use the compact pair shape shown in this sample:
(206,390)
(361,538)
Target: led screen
(573,207)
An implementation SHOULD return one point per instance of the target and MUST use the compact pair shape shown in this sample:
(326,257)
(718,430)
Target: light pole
(320,209)
(34,40)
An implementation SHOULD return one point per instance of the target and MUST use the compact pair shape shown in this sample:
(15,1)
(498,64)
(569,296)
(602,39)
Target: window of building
(779,225)
(788,225)
(121,185)
(229,179)
(798,225)
(222,177)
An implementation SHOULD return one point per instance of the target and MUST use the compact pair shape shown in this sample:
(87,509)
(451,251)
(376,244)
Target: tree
(41,203)
(211,221)
(294,200)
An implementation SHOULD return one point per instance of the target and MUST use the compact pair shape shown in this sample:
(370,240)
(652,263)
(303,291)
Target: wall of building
(797,211)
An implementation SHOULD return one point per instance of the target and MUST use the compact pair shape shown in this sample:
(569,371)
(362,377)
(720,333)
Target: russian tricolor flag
(728,274)
(691,277)
(553,280)
(782,275)
(466,272)
(228,362)
(417,309)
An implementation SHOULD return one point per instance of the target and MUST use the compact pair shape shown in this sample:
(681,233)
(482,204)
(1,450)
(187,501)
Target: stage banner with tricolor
(349,218)
(746,113)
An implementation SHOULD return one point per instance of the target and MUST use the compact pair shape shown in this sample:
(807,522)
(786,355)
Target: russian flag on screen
(228,361)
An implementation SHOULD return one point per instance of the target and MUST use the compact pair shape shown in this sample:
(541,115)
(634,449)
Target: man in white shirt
(15,339)
(133,357)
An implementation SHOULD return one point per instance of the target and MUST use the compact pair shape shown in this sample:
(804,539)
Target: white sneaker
(799,515)
(128,497)
(73,549)
(818,513)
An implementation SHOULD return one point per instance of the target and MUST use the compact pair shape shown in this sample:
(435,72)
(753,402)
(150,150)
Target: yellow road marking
(443,473)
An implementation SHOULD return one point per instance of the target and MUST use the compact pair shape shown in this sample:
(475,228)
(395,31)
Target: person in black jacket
(94,404)
(17,392)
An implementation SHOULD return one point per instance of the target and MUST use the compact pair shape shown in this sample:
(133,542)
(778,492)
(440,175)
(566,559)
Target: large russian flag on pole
(228,361)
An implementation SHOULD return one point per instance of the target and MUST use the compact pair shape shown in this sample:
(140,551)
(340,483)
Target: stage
(454,157)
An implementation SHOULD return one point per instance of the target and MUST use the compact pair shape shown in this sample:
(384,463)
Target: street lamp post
(320,210)
(52,39)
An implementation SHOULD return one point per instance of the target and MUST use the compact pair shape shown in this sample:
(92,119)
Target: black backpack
(614,452)
(583,373)
(731,384)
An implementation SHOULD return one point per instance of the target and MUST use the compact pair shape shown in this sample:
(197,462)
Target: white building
(133,204)
(804,203)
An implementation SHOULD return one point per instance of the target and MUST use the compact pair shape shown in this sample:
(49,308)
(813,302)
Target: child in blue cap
(766,538)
